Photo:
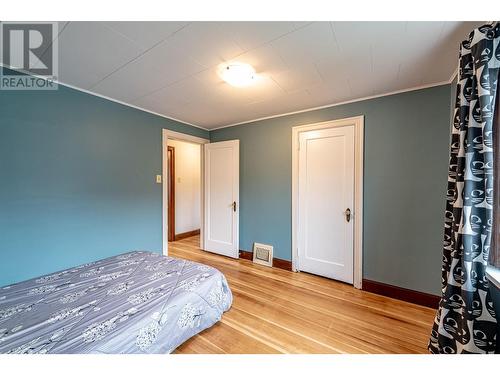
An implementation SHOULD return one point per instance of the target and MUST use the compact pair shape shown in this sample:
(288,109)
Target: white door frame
(358,123)
(166,135)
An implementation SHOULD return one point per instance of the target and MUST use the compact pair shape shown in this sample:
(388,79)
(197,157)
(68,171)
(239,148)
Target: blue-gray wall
(405,160)
(76,180)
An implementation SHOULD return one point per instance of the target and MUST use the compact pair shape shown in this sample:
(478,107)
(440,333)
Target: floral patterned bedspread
(137,302)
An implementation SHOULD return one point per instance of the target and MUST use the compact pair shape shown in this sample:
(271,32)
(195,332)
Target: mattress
(137,302)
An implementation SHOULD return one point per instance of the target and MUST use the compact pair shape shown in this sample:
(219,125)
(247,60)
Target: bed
(137,302)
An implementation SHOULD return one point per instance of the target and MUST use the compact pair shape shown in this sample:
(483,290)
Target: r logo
(29,47)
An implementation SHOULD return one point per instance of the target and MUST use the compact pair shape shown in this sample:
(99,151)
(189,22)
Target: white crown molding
(251,121)
(131,105)
(455,74)
(106,97)
(415,88)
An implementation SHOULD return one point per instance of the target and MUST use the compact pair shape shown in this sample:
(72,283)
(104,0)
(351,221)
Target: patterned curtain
(465,321)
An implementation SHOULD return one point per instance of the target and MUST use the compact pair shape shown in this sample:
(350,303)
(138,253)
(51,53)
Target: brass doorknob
(348,214)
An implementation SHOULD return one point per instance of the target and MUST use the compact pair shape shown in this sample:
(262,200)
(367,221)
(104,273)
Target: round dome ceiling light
(237,74)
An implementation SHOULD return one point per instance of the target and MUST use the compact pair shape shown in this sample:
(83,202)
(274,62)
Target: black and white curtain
(465,321)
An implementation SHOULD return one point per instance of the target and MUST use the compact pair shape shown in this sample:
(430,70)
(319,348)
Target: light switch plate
(158,178)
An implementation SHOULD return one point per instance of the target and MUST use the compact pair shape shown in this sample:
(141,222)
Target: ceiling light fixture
(237,74)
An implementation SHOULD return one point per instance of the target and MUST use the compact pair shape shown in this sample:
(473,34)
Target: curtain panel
(465,321)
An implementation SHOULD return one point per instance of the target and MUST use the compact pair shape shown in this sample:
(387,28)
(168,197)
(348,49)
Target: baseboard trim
(403,294)
(277,263)
(283,264)
(191,233)
(248,255)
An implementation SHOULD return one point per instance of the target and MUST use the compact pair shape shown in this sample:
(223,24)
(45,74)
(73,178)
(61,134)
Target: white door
(326,196)
(222,197)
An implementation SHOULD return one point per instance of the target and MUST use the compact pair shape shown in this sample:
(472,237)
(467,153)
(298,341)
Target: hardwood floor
(278,311)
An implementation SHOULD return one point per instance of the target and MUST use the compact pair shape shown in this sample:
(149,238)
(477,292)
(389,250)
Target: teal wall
(76,180)
(405,173)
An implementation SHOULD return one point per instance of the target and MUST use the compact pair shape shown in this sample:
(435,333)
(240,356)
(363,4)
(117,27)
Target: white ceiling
(170,67)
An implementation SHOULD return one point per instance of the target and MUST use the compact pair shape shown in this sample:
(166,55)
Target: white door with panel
(325,202)
(222,198)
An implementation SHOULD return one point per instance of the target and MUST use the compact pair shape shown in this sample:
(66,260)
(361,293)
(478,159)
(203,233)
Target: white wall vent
(263,254)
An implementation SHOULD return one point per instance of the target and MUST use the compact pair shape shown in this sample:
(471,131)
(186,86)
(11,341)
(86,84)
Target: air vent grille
(263,254)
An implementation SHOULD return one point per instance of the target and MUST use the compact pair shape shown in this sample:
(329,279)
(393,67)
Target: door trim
(165,135)
(171,198)
(358,123)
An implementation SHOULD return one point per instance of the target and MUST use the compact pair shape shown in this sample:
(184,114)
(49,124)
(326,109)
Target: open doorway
(168,135)
(184,190)
(171,192)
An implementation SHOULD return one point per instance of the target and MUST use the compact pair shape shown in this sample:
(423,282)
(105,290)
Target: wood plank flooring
(277,311)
